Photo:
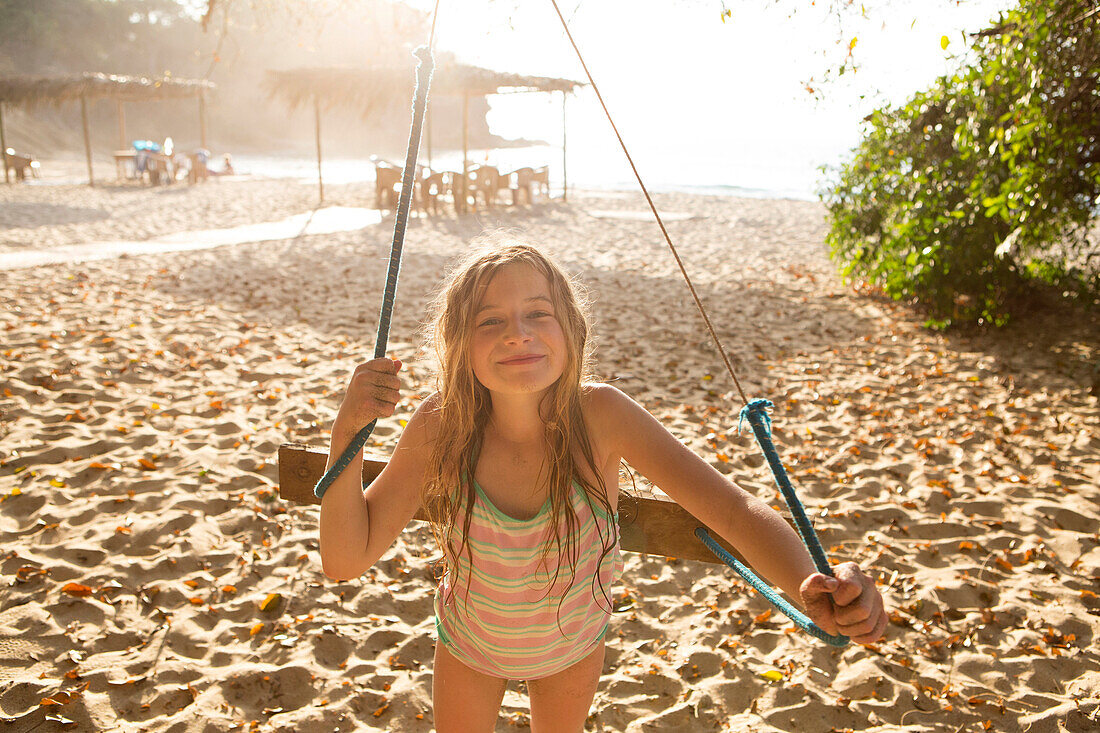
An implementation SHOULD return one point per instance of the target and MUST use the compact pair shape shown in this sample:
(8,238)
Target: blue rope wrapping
(424,67)
(802,620)
(756,413)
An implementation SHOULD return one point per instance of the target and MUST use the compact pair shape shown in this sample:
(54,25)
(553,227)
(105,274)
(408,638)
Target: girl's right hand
(372,393)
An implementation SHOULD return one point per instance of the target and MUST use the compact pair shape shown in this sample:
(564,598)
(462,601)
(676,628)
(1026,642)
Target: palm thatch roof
(382,87)
(31,91)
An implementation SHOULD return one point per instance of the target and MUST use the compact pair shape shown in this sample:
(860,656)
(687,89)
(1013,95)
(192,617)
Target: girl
(515,460)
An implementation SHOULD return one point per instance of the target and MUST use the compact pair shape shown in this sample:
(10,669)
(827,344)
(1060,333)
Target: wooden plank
(3,146)
(648,523)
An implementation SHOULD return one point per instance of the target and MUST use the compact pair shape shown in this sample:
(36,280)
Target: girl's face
(518,346)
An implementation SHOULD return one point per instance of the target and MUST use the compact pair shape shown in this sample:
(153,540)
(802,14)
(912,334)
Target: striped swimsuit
(508,625)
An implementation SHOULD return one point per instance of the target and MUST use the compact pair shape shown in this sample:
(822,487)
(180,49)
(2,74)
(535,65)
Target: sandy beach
(154,581)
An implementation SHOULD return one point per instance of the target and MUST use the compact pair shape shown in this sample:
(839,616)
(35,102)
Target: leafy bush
(986,183)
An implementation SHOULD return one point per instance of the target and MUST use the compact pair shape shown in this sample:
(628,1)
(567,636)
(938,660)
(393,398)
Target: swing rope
(755,412)
(425,65)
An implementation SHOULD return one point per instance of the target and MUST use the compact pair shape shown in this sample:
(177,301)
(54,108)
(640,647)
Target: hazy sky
(697,98)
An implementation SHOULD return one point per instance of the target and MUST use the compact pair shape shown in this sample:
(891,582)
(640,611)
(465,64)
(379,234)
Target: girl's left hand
(848,604)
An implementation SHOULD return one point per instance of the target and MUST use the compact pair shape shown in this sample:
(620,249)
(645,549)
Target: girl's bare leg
(561,702)
(463,699)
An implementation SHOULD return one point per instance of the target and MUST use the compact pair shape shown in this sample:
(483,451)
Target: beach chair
(431,189)
(485,184)
(387,185)
(197,169)
(541,180)
(150,162)
(20,163)
(159,169)
(520,183)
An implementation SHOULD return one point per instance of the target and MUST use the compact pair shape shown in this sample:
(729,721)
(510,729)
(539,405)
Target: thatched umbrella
(32,91)
(378,88)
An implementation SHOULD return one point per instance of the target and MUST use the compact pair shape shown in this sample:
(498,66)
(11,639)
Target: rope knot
(424,56)
(757,409)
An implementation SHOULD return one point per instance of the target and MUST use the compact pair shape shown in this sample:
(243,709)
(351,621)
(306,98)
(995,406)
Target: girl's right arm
(357,525)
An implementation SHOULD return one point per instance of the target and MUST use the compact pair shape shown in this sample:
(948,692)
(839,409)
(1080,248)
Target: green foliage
(985,184)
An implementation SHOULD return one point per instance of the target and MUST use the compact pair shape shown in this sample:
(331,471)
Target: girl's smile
(518,360)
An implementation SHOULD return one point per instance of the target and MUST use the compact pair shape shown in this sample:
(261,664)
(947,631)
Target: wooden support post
(465,146)
(428,124)
(564,173)
(87,137)
(317,128)
(3,146)
(648,523)
(120,164)
(121,126)
(202,118)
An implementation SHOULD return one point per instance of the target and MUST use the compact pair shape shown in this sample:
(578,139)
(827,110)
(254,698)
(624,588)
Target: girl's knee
(563,701)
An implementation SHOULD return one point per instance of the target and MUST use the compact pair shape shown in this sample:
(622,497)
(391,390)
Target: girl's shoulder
(603,405)
(614,416)
(425,420)
(430,404)
(598,393)
(601,394)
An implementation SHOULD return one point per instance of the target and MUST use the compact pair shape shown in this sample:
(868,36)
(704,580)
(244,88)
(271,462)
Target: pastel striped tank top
(509,626)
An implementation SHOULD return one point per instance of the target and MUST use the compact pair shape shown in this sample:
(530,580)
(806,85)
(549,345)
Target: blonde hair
(463,405)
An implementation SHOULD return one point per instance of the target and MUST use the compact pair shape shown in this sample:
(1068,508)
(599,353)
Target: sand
(155,582)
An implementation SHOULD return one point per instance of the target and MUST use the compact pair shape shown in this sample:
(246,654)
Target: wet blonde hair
(463,406)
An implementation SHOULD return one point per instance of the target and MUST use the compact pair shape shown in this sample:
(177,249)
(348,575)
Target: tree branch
(994,31)
(210,4)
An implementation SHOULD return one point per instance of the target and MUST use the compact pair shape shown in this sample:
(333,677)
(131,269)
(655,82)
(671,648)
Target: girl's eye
(541,314)
(489,322)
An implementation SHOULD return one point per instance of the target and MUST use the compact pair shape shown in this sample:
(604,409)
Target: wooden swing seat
(648,523)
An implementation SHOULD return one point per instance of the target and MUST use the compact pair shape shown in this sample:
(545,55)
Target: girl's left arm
(848,604)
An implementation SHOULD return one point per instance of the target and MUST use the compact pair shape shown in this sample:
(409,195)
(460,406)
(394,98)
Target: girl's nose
(517,331)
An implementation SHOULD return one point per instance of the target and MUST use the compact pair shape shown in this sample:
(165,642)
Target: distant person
(144,151)
(227,167)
